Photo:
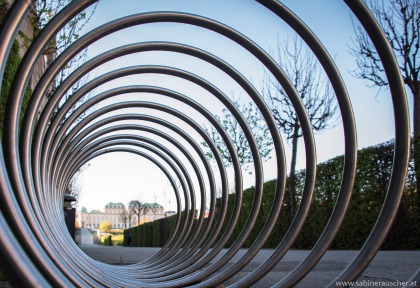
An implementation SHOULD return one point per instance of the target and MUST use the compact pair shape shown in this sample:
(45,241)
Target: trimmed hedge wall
(152,234)
(373,173)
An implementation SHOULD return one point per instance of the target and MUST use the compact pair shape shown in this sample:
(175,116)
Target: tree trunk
(416,128)
(292,175)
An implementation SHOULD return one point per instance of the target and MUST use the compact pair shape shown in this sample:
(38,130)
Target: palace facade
(119,216)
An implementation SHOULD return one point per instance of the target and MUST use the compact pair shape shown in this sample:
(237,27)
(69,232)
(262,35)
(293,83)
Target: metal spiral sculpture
(38,159)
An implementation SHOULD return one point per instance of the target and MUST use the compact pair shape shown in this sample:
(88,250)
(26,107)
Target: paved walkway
(86,237)
(387,266)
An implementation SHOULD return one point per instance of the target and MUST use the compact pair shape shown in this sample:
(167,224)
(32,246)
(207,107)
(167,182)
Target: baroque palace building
(113,212)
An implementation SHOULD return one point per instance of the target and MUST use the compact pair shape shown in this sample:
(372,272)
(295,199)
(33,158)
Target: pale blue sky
(120,178)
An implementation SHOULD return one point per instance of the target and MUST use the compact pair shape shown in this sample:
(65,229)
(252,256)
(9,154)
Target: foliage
(151,234)
(11,68)
(46,9)
(111,240)
(105,226)
(12,65)
(373,173)
(4,7)
(229,123)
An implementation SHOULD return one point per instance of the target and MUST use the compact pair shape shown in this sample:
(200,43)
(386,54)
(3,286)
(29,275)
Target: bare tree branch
(400,21)
(46,10)
(124,217)
(136,207)
(314,89)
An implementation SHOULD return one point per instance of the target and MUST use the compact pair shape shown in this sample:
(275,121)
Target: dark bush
(373,173)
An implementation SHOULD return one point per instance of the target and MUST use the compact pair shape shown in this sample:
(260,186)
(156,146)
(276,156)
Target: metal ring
(37,163)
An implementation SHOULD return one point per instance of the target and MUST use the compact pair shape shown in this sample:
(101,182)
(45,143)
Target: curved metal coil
(38,161)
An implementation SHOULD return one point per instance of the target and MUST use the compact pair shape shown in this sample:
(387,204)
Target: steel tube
(38,161)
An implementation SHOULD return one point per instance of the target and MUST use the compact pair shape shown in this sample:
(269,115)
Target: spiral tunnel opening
(156,111)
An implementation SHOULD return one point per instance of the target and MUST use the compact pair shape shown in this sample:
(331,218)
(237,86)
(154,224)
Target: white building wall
(93,220)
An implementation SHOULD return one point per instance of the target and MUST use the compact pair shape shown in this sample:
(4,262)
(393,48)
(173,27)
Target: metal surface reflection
(38,161)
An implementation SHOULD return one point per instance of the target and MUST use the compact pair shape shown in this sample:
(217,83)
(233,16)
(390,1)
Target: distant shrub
(111,240)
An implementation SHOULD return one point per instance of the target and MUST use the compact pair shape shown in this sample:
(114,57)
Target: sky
(121,177)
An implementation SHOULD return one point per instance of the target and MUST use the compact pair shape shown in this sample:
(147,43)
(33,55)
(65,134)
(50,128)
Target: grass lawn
(116,239)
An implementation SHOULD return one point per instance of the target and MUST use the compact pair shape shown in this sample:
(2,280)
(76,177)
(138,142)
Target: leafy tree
(105,226)
(12,65)
(44,11)
(47,9)
(316,94)
(400,22)
(39,17)
(257,125)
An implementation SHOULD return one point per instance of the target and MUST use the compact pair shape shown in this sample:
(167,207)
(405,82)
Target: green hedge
(11,68)
(112,240)
(151,234)
(12,65)
(373,173)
